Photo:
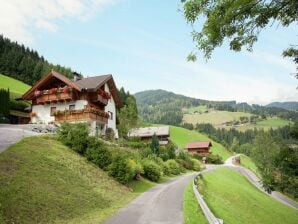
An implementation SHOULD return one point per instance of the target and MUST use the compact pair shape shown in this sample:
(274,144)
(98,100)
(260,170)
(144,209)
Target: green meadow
(15,87)
(234,199)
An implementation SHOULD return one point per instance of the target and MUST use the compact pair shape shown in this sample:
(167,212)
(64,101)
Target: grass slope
(191,210)
(270,122)
(214,117)
(16,87)
(42,181)
(232,198)
(249,164)
(181,136)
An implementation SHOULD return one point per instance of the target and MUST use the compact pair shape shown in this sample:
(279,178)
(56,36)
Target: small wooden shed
(199,147)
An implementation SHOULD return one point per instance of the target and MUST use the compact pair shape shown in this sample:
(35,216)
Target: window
(72,107)
(111,115)
(53,110)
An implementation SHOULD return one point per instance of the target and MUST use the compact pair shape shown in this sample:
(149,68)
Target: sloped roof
(197,145)
(149,131)
(90,83)
(28,95)
(93,82)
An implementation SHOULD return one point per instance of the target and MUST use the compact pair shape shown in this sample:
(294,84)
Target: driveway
(162,204)
(10,134)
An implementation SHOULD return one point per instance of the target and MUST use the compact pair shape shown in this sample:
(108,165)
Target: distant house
(199,147)
(57,99)
(162,132)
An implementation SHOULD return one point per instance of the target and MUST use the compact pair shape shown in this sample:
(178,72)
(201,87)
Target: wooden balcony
(79,115)
(100,99)
(54,97)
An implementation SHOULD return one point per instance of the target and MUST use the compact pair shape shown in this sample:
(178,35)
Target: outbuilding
(199,147)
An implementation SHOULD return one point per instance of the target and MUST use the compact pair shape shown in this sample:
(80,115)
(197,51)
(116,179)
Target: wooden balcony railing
(100,99)
(54,97)
(81,115)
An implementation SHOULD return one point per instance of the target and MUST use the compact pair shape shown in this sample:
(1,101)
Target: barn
(199,147)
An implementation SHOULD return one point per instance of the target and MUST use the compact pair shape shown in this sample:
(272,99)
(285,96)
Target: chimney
(76,76)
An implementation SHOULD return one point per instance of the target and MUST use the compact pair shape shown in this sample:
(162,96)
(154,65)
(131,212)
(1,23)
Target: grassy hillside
(249,164)
(16,87)
(271,122)
(232,198)
(49,183)
(214,117)
(182,136)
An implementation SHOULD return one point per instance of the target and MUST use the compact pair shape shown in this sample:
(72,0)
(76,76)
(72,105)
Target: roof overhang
(30,93)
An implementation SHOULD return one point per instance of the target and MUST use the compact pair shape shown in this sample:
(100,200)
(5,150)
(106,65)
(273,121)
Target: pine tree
(155,145)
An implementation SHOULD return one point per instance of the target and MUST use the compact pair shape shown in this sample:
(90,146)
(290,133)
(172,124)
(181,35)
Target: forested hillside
(25,64)
(284,105)
(160,106)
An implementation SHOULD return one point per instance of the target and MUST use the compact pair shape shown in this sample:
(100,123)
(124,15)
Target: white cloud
(19,17)
(273,59)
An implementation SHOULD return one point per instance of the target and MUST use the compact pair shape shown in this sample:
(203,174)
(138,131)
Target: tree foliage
(155,145)
(238,21)
(4,103)
(128,114)
(25,64)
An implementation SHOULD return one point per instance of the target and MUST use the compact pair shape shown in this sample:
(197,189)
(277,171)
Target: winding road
(163,203)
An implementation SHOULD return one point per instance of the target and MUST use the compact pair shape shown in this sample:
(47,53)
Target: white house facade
(56,99)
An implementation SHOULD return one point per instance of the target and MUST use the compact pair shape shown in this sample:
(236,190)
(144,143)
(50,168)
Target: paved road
(10,134)
(162,204)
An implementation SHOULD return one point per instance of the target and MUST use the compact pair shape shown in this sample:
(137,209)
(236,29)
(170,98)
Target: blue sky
(144,45)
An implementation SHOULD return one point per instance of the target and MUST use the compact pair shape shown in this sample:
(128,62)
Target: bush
(165,169)
(196,164)
(185,160)
(110,134)
(98,154)
(174,167)
(74,135)
(214,159)
(122,169)
(152,171)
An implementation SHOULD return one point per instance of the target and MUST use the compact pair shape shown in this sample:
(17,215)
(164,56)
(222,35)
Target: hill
(163,107)
(284,105)
(15,87)
(231,197)
(49,183)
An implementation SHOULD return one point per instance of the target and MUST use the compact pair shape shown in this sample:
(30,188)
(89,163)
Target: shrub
(110,134)
(151,170)
(137,168)
(122,169)
(174,167)
(171,150)
(185,164)
(74,135)
(98,154)
(185,160)
(196,165)
(210,158)
(165,169)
